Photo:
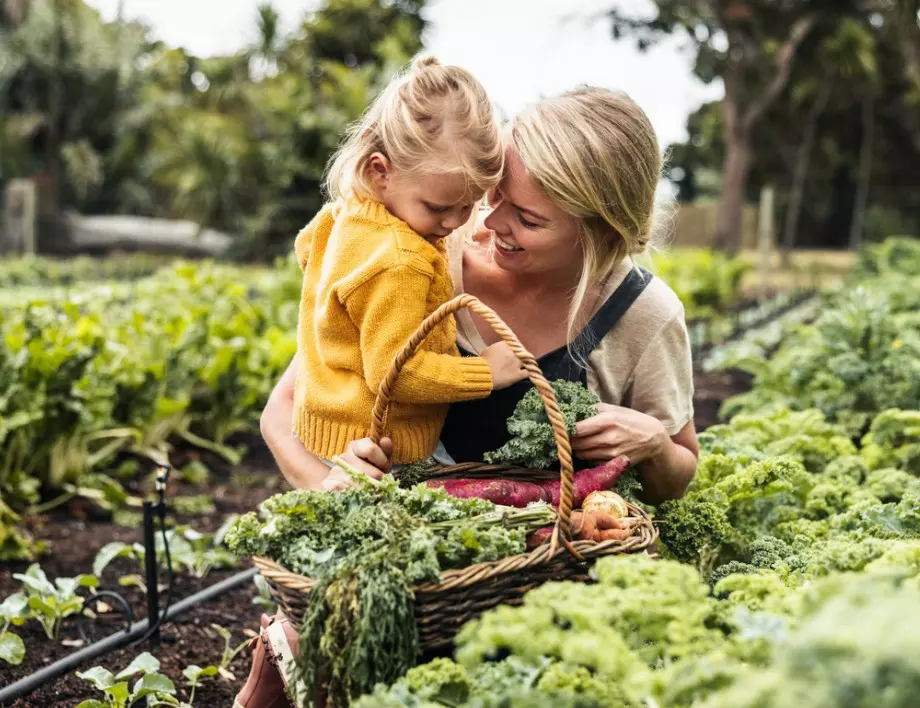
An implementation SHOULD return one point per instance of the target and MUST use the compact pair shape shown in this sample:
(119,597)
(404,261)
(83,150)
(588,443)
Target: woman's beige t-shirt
(643,363)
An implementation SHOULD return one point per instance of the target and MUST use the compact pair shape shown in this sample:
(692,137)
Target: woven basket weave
(461,595)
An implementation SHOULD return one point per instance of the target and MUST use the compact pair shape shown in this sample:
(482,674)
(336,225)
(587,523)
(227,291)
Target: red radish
(508,492)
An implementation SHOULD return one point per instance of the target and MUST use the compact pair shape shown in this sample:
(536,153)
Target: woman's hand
(366,457)
(666,463)
(616,431)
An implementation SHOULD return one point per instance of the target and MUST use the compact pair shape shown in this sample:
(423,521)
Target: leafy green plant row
(31,271)
(707,281)
(860,357)
(191,356)
(51,603)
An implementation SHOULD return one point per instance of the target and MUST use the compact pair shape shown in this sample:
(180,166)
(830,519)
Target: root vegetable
(612,534)
(509,492)
(607,502)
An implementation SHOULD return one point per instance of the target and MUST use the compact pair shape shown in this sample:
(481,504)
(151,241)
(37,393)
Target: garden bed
(75,534)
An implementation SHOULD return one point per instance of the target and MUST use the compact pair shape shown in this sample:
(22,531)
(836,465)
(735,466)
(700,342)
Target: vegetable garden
(789,573)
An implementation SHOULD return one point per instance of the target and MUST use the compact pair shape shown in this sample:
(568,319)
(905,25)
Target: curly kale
(533,444)
(804,435)
(858,647)
(893,440)
(694,529)
(639,612)
(713,525)
(511,682)
(891,485)
(629,485)
(858,358)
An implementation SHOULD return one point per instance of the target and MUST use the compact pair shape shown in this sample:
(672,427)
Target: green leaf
(146,663)
(108,553)
(12,650)
(152,683)
(222,631)
(43,607)
(91,703)
(195,472)
(134,580)
(119,693)
(15,609)
(194,673)
(35,579)
(100,678)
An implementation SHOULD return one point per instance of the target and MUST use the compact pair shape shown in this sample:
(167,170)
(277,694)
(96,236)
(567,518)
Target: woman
(553,260)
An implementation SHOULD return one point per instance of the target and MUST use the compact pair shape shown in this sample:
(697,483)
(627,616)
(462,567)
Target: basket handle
(547,395)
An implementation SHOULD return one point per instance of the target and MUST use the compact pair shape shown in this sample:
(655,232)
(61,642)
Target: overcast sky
(519,49)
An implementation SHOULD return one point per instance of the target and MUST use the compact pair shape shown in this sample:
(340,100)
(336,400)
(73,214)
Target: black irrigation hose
(27,684)
(118,598)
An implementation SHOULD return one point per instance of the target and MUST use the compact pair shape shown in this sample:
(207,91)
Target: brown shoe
(265,686)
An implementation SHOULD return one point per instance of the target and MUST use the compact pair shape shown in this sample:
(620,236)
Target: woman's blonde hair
(430,119)
(594,152)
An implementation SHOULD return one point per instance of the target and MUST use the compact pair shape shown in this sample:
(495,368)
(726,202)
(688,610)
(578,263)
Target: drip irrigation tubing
(27,684)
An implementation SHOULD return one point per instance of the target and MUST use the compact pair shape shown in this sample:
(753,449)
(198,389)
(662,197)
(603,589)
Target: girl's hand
(366,457)
(616,431)
(506,368)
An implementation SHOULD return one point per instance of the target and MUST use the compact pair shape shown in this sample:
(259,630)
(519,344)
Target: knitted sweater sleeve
(322,221)
(387,309)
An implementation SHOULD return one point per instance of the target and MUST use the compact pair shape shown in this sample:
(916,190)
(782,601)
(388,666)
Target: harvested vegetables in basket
(511,492)
(366,547)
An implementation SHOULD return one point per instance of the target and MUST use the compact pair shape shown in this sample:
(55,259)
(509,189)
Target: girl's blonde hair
(594,152)
(430,119)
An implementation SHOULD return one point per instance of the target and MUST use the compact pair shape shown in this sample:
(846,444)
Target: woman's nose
(496,220)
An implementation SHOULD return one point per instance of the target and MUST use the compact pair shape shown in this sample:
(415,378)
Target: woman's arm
(666,463)
(300,468)
(668,474)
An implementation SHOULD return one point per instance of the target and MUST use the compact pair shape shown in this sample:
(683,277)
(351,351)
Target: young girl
(374,262)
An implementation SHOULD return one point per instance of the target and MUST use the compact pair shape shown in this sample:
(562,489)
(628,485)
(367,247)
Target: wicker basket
(461,595)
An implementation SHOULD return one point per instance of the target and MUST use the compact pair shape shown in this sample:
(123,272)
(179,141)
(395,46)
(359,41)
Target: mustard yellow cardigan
(368,282)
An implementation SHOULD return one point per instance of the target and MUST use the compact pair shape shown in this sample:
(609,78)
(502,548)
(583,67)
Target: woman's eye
(527,224)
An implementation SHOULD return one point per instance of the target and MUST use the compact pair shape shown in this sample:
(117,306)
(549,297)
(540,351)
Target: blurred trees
(118,122)
(822,100)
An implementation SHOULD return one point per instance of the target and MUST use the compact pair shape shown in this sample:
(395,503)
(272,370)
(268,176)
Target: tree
(751,45)
(842,58)
(139,127)
(829,198)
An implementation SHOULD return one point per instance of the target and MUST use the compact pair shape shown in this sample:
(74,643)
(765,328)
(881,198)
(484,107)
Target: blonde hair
(594,152)
(432,118)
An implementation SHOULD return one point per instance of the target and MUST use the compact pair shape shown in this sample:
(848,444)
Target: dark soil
(76,532)
(711,389)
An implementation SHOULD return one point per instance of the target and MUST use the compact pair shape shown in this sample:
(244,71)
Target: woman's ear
(378,171)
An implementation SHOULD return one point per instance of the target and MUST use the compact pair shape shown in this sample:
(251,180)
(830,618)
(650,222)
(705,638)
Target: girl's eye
(437,210)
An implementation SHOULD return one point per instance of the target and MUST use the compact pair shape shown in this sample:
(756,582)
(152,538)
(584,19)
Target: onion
(607,503)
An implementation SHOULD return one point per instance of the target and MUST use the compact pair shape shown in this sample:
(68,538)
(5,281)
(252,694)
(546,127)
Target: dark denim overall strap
(473,428)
